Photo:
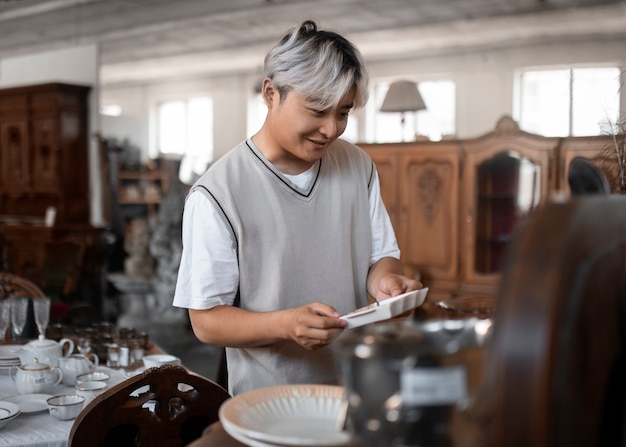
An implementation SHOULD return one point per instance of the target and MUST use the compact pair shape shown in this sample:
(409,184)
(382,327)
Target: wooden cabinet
(506,174)
(455,204)
(43,152)
(44,164)
(419,185)
(597,149)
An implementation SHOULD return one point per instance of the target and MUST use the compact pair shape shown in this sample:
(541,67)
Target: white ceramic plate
(386,309)
(291,415)
(8,410)
(8,352)
(30,403)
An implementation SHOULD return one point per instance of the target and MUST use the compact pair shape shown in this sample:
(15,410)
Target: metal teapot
(35,377)
(46,350)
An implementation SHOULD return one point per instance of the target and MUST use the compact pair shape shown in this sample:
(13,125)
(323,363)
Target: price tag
(433,386)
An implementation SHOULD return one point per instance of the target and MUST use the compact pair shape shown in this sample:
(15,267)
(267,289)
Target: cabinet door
(600,150)
(428,231)
(386,161)
(14,155)
(503,181)
(47,153)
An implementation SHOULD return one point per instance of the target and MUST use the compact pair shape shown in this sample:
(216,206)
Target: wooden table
(215,436)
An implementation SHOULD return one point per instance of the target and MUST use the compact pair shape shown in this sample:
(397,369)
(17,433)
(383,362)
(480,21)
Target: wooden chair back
(165,406)
(14,285)
(555,372)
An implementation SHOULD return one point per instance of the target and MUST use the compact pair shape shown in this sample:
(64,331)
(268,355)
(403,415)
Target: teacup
(99,376)
(156,360)
(65,407)
(89,390)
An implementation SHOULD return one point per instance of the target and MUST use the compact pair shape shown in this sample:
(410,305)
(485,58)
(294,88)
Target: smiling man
(288,231)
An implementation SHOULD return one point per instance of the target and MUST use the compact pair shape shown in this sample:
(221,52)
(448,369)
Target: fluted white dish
(290,415)
(386,309)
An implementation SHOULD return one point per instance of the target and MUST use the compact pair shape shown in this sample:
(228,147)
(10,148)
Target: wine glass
(5,317)
(19,311)
(84,345)
(41,309)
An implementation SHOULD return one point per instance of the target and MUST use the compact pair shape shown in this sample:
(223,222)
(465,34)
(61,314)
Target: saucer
(30,403)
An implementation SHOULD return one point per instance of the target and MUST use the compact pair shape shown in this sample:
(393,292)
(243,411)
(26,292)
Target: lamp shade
(403,96)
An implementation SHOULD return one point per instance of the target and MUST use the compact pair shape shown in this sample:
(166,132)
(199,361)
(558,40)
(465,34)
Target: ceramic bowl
(156,360)
(99,376)
(66,406)
(89,390)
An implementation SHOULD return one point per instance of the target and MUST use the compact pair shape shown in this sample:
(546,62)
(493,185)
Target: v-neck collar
(304,192)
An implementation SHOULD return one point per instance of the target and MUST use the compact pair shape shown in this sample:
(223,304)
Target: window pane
(438,119)
(590,96)
(186,128)
(200,127)
(172,127)
(545,102)
(595,100)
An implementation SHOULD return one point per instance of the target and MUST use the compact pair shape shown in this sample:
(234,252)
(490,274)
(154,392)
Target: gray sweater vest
(294,247)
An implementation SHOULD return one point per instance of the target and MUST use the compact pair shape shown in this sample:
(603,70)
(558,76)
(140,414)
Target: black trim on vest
(232,229)
(369,182)
(319,170)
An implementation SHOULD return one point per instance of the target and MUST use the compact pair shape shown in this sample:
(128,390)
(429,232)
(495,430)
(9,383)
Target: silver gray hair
(323,66)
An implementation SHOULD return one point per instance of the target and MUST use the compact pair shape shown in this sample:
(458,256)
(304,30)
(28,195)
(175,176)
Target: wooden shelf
(141,187)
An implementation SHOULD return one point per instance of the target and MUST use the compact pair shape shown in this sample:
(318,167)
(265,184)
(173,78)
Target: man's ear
(268,91)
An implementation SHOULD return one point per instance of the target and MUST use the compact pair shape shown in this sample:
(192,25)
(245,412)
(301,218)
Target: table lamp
(403,96)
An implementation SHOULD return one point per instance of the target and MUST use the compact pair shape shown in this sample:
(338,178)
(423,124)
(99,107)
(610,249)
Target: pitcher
(75,365)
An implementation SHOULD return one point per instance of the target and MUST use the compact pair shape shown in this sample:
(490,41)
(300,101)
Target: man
(287,231)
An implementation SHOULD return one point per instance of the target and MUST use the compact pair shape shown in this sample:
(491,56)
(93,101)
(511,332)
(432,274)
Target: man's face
(300,131)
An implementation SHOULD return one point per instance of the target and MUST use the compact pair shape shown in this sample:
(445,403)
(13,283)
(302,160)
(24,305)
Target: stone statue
(139,263)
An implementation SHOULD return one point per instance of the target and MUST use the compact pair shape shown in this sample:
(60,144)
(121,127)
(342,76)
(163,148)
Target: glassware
(113,356)
(84,345)
(5,317)
(19,311)
(41,309)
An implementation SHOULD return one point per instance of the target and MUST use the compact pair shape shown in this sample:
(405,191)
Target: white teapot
(75,365)
(45,350)
(35,377)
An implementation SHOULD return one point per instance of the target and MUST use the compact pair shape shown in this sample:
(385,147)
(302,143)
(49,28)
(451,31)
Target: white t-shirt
(209,275)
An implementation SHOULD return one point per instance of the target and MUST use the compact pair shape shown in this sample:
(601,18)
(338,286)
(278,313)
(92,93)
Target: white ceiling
(146,40)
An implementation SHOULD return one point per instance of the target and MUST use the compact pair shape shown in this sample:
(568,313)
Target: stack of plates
(8,356)
(292,415)
(8,412)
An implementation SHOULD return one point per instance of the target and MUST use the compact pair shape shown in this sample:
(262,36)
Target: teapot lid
(35,365)
(42,342)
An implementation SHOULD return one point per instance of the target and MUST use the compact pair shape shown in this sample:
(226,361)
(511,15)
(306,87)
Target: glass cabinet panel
(508,188)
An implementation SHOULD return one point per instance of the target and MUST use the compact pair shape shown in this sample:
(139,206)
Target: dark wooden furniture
(165,406)
(13,285)
(44,165)
(555,371)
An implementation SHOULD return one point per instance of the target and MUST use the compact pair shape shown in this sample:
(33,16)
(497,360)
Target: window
(568,102)
(185,128)
(435,122)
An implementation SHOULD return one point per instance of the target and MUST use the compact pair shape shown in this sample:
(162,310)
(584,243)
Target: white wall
(484,79)
(76,65)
